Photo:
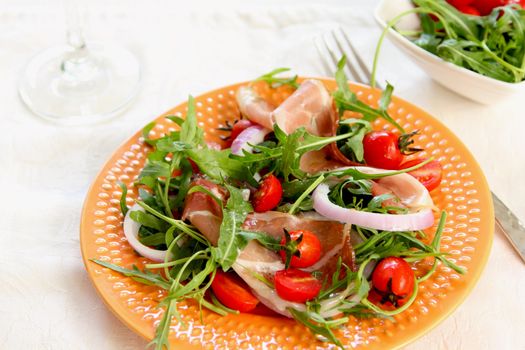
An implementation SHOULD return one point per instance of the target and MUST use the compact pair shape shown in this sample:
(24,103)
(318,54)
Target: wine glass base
(80,91)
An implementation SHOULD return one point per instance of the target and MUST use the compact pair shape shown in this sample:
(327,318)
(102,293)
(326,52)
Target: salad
(305,211)
(484,36)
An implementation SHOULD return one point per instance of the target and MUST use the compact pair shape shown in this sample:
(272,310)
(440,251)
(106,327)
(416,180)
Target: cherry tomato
(459,3)
(393,277)
(194,168)
(429,174)
(469,10)
(296,285)
(379,299)
(233,292)
(237,128)
(268,195)
(305,253)
(485,7)
(386,301)
(381,150)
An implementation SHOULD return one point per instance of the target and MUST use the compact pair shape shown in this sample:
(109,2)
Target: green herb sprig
(272,79)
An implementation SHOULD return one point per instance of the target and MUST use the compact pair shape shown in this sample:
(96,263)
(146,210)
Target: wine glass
(79,83)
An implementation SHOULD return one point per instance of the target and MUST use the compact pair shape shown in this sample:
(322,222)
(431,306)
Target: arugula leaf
(145,133)
(176,119)
(428,39)
(190,133)
(306,205)
(463,53)
(151,200)
(305,194)
(352,148)
(171,145)
(184,183)
(321,327)
(288,163)
(145,277)
(155,169)
(346,100)
(220,165)
(274,82)
(233,216)
(154,240)
(123,206)
(342,82)
(147,220)
(161,340)
(351,193)
(267,241)
(293,189)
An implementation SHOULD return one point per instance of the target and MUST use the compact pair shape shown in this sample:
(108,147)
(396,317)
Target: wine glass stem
(78,66)
(74,35)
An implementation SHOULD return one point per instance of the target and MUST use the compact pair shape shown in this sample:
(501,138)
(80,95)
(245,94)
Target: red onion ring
(388,222)
(252,135)
(131,231)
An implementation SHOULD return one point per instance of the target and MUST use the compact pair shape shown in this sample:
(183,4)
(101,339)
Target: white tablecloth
(46,299)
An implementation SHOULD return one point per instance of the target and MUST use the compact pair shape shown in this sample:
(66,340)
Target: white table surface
(46,298)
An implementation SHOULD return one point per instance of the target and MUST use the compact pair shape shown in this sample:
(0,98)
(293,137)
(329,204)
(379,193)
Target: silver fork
(332,46)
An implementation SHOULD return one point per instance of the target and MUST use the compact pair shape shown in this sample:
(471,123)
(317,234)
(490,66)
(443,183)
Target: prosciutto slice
(254,107)
(205,214)
(203,211)
(410,192)
(310,106)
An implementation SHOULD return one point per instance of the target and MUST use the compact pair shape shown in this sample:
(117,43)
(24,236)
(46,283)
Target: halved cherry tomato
(237,128)
(268,195)
(394,279)
(469,10)
(296,285)
(381,150)
(459,3)
(305,253)
(429,174)
(233,292)
(485,7)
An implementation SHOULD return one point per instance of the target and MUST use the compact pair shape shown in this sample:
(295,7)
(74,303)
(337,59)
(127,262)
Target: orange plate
(463,193)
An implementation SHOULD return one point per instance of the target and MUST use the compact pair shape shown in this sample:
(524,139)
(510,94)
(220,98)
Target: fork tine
(358,58)
(328,56)
(324,60)
(354,72)
(334,57)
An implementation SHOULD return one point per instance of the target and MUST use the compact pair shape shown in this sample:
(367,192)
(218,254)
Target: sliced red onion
(388,222)
(249,136)
(131,231)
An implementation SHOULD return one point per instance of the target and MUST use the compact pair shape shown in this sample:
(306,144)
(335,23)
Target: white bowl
(461,80)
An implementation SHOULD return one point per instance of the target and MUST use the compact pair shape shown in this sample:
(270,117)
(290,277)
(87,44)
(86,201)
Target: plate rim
(465,292)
